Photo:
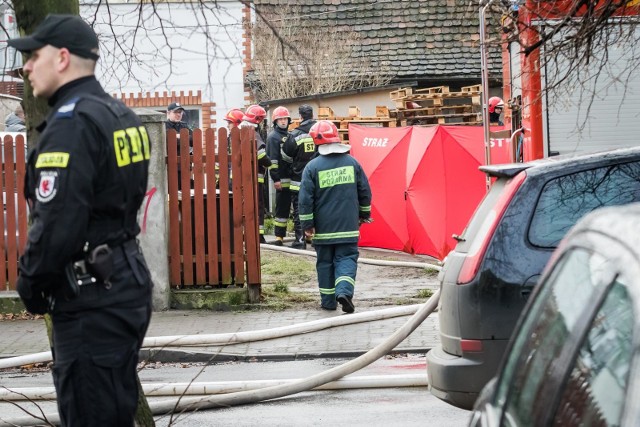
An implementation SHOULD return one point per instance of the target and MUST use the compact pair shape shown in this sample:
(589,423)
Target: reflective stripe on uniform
(306,217)
(365,208)
(345,279)
(340,235)
(329,291)
(280,222)
(307,138)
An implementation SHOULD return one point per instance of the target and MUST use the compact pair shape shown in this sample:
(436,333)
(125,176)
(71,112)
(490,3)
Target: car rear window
(564,200)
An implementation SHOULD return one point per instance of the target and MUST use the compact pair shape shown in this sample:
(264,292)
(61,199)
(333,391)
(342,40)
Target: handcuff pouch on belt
(96,266)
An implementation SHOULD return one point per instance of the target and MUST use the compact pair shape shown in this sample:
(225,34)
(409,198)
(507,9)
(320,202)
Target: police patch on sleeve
(52,160)
(47,186)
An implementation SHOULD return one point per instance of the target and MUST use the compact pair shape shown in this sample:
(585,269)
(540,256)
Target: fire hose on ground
(371,261)
(182,403)
(221,387)
(249,395)
(258,335)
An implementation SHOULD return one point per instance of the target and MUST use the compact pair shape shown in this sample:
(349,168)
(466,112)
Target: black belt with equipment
(96,267)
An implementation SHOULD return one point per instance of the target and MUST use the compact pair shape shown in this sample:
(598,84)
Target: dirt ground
(375,285)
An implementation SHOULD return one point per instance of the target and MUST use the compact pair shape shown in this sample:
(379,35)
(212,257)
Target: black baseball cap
(68,31)
(175,106)
(306,111)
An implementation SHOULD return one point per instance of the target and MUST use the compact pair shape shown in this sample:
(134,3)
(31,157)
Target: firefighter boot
(299,243)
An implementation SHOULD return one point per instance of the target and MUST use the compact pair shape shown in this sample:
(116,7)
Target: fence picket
(10,210)
(185,218)
(4,266)
(198,207)
(212,212)
(238,209)
(250,186)
(22,203)
(175,263)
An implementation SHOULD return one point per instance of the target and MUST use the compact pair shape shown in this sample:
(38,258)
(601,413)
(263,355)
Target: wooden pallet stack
(382,119)
(437,106)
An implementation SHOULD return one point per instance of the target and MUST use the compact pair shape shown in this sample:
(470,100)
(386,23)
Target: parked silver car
(574,358)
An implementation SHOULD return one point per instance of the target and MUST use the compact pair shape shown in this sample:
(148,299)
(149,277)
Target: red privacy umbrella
(383,157)
(425,184)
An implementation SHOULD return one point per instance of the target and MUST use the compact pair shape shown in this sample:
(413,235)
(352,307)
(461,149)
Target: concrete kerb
(182,356)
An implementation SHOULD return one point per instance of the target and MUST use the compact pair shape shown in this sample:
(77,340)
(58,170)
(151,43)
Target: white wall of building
(171,47)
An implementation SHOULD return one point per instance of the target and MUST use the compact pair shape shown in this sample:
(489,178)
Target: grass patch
(280,272)
(277,297)
(287,269)
(424,293)
(430,272)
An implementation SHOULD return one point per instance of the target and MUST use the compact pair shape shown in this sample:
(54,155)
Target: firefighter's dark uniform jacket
(334,196)
(300,148)
(280,162)
(264,162)
(85,182)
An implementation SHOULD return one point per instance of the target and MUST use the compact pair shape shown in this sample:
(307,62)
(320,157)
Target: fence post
(153,217)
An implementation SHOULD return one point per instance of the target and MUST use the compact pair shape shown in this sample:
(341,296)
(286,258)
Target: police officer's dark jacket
(280,163)
(300,147)
(91,148)
(178,126)
(334,196)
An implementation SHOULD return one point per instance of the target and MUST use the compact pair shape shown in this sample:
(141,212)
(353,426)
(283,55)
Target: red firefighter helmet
(234,116)
(495,102)
(324,132)
(254,114)
(280,113)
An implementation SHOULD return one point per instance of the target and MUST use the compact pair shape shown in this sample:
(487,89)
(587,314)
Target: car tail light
(479,246)
(467,346)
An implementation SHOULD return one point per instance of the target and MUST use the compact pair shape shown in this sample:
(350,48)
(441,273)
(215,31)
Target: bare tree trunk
(29,13)
(144,416)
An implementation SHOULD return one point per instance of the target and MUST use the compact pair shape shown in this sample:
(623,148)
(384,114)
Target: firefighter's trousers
(336,266)
(283,210)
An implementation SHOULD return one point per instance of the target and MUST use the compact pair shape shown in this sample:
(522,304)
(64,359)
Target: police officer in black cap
(175,113)
(85,182)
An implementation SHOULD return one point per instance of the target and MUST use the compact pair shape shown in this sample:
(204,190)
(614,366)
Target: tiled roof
(417,39)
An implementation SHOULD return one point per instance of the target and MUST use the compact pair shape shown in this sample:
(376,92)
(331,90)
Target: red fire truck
(563,103)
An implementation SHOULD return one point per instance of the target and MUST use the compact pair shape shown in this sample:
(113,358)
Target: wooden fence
(214,241)
(14,221)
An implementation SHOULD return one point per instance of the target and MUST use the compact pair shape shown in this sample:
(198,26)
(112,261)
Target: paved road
(408,406)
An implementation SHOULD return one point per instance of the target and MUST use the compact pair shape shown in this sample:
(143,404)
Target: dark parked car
(488,277)
(574,359)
